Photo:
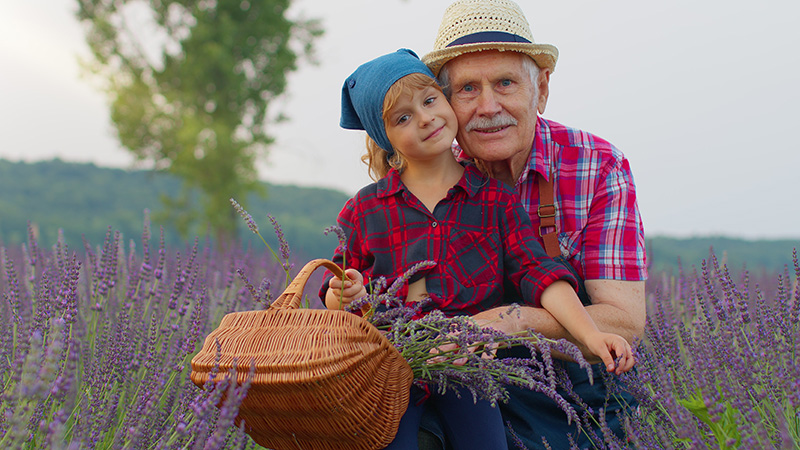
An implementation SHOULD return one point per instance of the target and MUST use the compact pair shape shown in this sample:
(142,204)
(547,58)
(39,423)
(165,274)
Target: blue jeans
(466,425)
(533,416)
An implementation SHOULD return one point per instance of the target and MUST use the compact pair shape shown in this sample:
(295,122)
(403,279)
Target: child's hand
(339,296)
(610,347)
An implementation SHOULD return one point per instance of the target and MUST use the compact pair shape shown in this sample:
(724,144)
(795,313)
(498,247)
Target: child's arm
(353,290)
(560,300)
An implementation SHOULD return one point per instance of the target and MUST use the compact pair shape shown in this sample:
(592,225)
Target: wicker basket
(324,379)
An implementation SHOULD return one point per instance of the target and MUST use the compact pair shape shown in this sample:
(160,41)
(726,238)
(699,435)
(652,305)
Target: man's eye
(505,83)
(468,88)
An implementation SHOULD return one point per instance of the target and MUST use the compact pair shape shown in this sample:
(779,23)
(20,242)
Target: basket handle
(293,294)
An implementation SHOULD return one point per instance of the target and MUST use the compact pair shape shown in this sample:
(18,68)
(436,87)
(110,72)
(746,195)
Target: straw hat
(477,25)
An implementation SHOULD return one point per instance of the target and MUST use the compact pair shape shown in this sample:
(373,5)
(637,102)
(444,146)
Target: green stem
(277,258)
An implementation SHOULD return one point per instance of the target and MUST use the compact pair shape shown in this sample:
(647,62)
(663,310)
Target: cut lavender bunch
(449,353)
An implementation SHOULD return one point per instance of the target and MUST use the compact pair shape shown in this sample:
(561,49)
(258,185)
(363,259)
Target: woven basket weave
(324,379)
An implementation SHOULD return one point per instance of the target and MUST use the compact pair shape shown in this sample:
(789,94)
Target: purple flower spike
(340,235)
(285,251)
(245,215)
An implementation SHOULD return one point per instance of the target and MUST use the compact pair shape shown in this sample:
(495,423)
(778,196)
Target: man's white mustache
(486,123)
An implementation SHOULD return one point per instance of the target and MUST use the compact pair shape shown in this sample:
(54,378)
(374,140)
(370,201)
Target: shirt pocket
(473,258)
(569,243)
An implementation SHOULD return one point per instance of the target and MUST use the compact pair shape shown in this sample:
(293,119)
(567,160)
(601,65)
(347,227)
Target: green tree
(189,84)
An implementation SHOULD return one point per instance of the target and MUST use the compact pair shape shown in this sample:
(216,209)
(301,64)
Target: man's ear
(544,90)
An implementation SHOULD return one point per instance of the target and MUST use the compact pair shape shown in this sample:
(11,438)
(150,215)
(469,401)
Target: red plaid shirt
(600,229)
(479,235)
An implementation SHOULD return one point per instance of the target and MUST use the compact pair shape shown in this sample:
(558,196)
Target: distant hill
(84,200)
(753,255)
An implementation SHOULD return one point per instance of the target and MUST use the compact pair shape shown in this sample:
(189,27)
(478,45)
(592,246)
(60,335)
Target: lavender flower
(285,251)
(718,367)
(12,295)
(724,380)
(340,235)
(250,288)
(76,375)
(245,215)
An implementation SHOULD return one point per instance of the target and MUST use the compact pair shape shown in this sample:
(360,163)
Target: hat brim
(545,55)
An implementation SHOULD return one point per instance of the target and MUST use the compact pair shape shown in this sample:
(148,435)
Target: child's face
(421,125)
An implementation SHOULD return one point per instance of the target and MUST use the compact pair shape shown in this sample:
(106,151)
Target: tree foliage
(189,84)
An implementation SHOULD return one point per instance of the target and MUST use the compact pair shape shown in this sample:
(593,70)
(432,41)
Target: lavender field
(96,344)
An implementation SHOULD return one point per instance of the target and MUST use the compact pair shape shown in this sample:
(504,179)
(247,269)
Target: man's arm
(617,307)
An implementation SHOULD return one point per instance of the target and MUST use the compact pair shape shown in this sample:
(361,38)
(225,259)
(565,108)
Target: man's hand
(487,351)
(341,294)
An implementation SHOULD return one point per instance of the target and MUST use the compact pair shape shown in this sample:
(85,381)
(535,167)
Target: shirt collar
(471,181)
(390,184)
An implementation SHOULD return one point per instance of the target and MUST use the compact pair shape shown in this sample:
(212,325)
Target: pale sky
(701,95)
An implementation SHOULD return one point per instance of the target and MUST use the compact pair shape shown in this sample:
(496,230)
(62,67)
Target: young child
(426,206)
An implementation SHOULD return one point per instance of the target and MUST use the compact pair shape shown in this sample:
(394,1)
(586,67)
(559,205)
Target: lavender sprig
(246,216)
(285,252)
(284,245)
(341,248)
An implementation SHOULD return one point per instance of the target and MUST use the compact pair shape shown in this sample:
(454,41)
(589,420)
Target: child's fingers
(629,359)
(336,283)
(624,355)
(353,276)
(605,355)
(628,365)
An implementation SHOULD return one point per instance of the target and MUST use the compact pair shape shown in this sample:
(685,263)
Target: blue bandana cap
(363,92)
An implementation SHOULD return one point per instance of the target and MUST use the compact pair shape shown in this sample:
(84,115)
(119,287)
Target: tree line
(84,200)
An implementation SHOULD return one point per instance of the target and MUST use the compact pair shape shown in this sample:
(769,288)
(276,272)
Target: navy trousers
(465,424)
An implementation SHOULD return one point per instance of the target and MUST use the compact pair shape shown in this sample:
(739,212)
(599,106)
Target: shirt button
(435,224)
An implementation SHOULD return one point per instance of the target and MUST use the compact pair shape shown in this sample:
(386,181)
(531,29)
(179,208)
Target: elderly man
(577,188)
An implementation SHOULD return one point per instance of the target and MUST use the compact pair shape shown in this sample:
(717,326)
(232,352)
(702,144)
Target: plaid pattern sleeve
(613,239)
(597,215)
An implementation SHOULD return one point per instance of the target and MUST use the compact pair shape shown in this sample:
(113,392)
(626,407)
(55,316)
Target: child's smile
(421,125)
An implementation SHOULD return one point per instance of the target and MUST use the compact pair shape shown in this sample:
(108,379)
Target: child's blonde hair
(376,158)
